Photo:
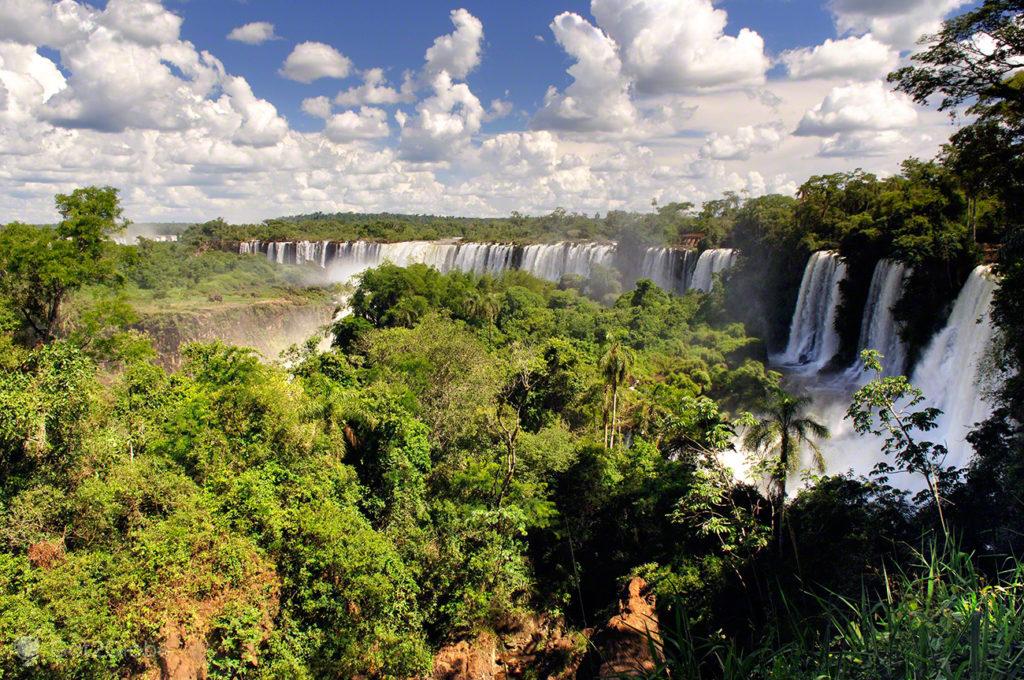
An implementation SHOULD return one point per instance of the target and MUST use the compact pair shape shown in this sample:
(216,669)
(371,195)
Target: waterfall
(555,260)
(949,372)
(670,268)
(483,258)
(277,251)
(709,263)
(949,375)
(673,269)
(813,339)
(345,259)
(879,329)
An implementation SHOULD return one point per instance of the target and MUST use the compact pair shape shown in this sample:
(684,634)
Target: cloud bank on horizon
(660,99)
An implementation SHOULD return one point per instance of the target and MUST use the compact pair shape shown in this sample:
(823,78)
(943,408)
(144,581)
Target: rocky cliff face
(628,645)
(535,647)
(267,326)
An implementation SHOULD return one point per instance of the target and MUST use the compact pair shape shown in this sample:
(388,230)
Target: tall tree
(892,401)
(616,367)
(41,267)
(973,67)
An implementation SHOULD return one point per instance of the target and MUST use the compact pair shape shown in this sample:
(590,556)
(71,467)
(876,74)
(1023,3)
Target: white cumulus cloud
(110,93)
(367,123)
(376,90)
(673,46)
(520,154)
(598,98)
(27,80)
(900,23)
(858,58)
(41,22)
(318,107)
(741,144)
(862,143)
(458,52)
(145,22)
(444,122)
(253,33)
(859,106)
(311,61)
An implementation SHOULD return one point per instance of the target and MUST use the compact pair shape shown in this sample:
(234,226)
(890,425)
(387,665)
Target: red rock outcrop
(465,660)
(531,647)
(181,656)
(630,643)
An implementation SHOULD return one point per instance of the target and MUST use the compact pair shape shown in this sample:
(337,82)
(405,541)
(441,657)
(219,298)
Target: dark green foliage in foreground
(937,618)
(447,468)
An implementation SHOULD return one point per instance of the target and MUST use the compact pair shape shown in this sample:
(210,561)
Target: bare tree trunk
(780,494)
(604,418)
(972,211)
(510,471)
(509,436)
(615,413)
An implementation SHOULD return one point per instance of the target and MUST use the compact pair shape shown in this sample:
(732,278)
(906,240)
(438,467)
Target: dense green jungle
(463,471)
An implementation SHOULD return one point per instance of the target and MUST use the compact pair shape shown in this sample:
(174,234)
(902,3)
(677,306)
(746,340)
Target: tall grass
(939,619)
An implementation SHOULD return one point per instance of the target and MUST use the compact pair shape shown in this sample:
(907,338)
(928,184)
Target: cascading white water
(949,375)
(673,269)
(879,329)
(277,251)
(949,372)
(483,258)
(555,260)
(709,263)
(344,260)
(813,339)
(670,268)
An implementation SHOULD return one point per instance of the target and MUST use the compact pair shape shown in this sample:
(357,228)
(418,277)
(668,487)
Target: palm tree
(485,307)
(780,435)
(616,367)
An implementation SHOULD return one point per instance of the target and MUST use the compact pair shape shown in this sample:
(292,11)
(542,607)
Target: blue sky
(470,108)
(396,32)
